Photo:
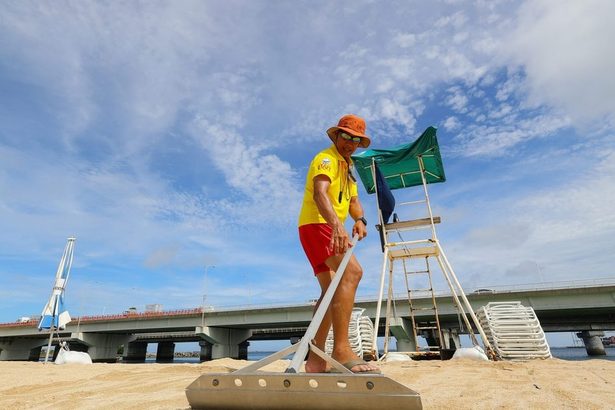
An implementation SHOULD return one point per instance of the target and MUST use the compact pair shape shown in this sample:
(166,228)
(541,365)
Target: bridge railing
(577,284)
(20,324)
(135,315)
(119,316)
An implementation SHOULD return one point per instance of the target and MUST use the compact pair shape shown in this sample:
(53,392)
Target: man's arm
(356,213)
(339,238)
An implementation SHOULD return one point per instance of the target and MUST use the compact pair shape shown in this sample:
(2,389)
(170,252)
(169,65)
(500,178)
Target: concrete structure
(585,308)
(102,347)
(135,352)
(593,342)
(20,348)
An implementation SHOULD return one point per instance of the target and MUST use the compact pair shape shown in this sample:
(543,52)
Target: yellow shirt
(328,162)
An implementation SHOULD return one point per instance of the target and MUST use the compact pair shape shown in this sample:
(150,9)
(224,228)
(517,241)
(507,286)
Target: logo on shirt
(325,165)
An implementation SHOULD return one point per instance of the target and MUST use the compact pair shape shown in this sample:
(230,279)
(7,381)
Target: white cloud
(457,100)
(456,20)
(393,110)
(460,37)
(503,237)
(566,51)
(268,183)
(451,124)
(561,228)
(161,256)
(405,40)
(509,88)
(495,140)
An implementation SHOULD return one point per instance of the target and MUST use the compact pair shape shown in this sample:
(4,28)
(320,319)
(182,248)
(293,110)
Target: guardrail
(121,316)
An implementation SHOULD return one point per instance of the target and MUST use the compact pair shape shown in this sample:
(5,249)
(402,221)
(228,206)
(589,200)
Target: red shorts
(315,239)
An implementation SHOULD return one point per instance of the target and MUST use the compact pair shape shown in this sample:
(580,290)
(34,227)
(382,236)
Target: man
(330,196)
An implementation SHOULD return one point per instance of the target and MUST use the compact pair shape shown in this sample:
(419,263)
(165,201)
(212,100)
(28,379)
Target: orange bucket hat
(353,125)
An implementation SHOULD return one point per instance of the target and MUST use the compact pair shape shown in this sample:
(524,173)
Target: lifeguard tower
(409,251)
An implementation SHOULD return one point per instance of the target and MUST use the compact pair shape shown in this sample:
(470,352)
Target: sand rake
(249,388)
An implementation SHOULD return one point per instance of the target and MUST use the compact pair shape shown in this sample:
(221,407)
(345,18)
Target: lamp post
(245,280)
(204,294)
(539,272)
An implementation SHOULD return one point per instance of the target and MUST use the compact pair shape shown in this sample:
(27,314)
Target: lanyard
(345,181)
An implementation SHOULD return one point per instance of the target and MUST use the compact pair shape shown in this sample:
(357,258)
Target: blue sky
(173,136)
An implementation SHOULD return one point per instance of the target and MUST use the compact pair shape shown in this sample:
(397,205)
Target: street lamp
(539,272)
(204,294)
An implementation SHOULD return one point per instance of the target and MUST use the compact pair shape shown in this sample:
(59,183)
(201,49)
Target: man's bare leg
(341,310)
(315,364)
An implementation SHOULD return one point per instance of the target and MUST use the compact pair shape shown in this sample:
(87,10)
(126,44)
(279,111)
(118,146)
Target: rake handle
(304,344)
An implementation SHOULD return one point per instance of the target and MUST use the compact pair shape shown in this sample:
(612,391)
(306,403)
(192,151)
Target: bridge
(587,307)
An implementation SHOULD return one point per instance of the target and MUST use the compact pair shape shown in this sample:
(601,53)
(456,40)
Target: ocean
(579,353)
(564,353)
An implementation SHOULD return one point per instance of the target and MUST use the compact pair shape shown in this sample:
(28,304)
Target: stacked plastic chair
(514,331)
(366,333)
(360,334)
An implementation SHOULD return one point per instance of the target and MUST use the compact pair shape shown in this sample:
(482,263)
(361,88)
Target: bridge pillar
(593,342)
(405,345)
(56,352)
(77,347)
(135,352)
(102,347)
(402,330)
(243,350)
(432,338)
(165,352)
(451,338)
(205,351)
(19,348)
(35,354)
(225,341)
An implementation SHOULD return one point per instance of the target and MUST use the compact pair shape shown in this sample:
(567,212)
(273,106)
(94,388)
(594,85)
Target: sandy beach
(460,384)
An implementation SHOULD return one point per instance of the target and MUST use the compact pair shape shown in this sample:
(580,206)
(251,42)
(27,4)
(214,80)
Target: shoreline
(259,354)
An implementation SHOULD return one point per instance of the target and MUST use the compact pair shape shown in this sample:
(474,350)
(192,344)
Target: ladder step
(417,272)
(426,327)
(418,252)
(415,223)
(418,201)
(420,290)
(423,308)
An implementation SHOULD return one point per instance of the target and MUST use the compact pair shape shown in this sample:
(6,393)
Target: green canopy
(400,165)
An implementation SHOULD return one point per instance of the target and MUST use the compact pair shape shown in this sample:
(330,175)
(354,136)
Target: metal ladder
(429,330)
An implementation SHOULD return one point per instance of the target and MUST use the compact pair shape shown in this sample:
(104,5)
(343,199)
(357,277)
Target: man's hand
(356,212)
(339,240)
(360,229)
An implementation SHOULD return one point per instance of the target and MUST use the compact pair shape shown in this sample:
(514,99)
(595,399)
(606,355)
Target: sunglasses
(347,137)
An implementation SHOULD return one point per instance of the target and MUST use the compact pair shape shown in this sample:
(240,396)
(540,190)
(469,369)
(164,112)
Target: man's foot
(361,366)
(355,364)
(315,364)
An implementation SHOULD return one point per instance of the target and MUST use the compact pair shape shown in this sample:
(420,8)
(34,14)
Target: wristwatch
(362,219)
